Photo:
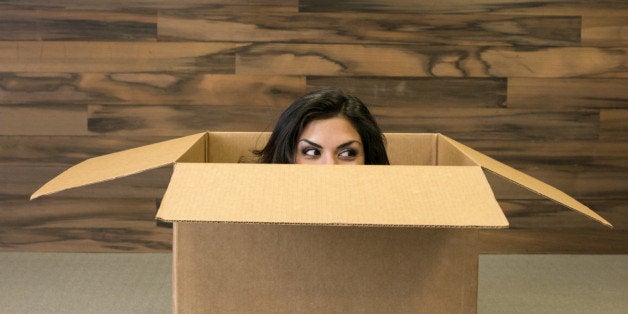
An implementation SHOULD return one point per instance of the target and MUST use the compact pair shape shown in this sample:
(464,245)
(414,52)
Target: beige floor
(140,283)
(553,284)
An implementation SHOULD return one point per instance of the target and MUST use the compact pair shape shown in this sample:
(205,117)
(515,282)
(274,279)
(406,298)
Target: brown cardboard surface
(412,148)
(259,268)
(527,181)
(234,146)
(335,195)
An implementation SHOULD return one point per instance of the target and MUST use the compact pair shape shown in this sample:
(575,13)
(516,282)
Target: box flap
(332,195)
(120,164)
(527,181)
(412,148)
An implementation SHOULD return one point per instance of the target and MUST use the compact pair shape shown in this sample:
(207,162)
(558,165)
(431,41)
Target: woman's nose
(329,159)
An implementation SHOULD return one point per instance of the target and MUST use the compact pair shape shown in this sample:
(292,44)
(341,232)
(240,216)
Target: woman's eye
(349,153)
(311,152)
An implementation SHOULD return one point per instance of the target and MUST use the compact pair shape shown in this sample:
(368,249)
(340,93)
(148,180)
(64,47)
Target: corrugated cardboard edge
(527,181)
(103,168)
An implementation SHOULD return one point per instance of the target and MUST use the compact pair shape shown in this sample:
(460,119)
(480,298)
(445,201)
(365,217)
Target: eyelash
(351,153)
(307,149)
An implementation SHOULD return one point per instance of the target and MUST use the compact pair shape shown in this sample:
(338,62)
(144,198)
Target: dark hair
(320,105)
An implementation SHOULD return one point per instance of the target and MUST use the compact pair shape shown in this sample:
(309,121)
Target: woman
(326,127)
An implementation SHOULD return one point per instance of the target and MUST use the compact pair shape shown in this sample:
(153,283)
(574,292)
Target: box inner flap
(226,147)
(334,195)
(526,181)
(120,164)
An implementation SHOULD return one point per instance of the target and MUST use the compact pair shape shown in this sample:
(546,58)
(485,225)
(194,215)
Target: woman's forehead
(332,130)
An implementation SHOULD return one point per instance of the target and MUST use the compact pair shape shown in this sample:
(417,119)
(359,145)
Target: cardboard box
(300,238)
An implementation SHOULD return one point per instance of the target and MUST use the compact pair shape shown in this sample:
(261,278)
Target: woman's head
(323,123)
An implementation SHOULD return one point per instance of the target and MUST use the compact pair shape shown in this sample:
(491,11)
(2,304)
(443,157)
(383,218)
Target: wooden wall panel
(614,124)
(179,120)
(495,124)
(168,88)
(541,86)
(77,25)
(427,61)
(83,225)
(360,28)
(552,7)
(603,31)
(419,92)
(64,151)
(81,56)
(141,5)
(566,93)
(50,119)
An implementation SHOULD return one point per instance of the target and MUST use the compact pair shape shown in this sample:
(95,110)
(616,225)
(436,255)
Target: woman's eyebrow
(343,145)
(311,143)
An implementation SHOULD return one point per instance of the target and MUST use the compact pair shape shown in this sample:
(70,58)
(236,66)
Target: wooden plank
(557,62)
(553,7)
(605,31)
(481,123)
(614,124)
(51,119)
(78,25)
(39,88)
(80,56)
(360,28)
(150,88)
(140,5)
(419,92)
(179,120)
(555,241)
(566,93)
(357,60)
(428,61)
(81,225)
(490,124)
(64,151)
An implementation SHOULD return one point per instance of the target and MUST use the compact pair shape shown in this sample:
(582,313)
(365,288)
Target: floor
(140,283)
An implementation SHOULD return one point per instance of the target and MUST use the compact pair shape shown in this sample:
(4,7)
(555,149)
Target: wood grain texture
(80,56)
(541,86)
(551,7)
(496,124)
(553,240)
(428,61)
(82,225)
(426,93)
(140,5)
(604,31)
(356,28)
(614,124)
(50,119)
(77,25)
(567,93)
(179,120)
(170,88)
(64,151)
